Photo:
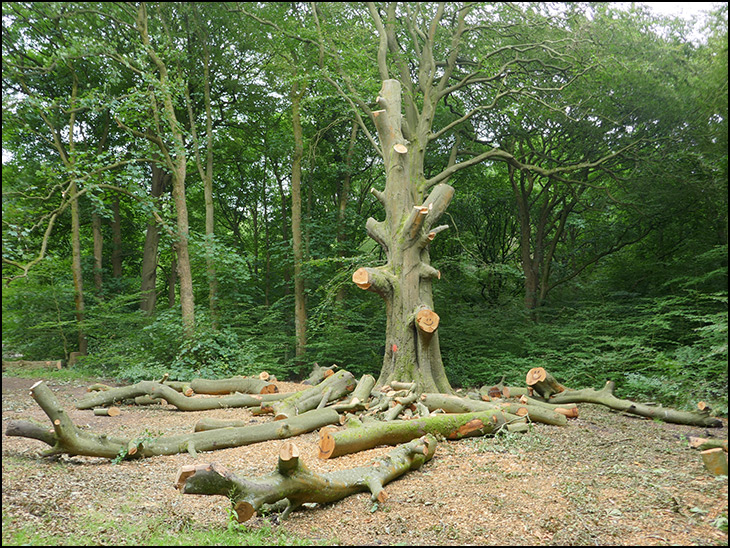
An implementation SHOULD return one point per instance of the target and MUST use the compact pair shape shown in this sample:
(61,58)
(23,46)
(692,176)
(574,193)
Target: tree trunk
(76,267)
(116,240)
(98,251)
(412,350)
(300,307)
(160,179)
(294,482)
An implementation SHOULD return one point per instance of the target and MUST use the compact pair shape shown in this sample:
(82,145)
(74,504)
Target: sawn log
(67,438)
(294,482)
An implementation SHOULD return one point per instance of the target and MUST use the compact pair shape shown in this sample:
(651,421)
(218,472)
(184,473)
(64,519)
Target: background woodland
(186,188)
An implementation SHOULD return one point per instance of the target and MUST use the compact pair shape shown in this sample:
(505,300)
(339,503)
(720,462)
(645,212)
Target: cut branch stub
(427,320)
(361,278)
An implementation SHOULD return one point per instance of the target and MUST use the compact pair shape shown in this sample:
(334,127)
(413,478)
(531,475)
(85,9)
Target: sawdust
(604,479)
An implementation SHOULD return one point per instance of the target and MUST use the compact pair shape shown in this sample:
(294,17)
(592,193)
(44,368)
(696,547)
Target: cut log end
(715,461)
(361,278)
(326,443)
(535,375)
(244,511)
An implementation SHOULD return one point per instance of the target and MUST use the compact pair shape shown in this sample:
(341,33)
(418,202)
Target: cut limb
(715,461)
(319,374)
(543,382)
(244,385)
(450,426)
(294,482)
(67,438)
(605,397)
(335,387)
(455,404)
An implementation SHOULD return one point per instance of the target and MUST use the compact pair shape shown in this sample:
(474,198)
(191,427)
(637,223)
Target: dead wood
(67,438)
(605,397)
(455,404)
(294,482)
(332,388)
(319,374)
(244,385)
(450,426)
(715,461)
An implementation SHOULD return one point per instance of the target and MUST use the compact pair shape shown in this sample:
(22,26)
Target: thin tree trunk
(160,179)
(98,250)
(300,312)
(116,240)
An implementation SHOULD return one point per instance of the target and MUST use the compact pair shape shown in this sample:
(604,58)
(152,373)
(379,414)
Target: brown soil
(604,479)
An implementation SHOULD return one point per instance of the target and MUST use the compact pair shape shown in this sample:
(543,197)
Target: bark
(67,438)
(300,307)
(706,443)
(332,388)
(160,179)
(176,160)
(245,385)
(605,397)
(98,244)
(294,482)
(319,374)
(157,391)
(450,426)
(412,350)
(543,382)
(116,240)
(454,404)
(76,267)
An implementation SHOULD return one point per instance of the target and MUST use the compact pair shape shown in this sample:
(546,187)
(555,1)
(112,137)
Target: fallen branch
(67,438)
(332,388)
(294,482)
(244,385)
(605,397)
(450,426)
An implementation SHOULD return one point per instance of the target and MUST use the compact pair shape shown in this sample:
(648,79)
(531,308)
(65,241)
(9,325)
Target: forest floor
(604,479)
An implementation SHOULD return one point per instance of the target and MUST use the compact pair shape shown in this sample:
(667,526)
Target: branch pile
(351,417)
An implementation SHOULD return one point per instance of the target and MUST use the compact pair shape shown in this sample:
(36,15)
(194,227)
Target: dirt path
(605,479)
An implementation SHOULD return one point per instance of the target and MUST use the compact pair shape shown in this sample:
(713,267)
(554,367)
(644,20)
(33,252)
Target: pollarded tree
(442,68)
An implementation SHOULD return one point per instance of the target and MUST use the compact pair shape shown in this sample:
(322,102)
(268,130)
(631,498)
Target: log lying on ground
(185,403)
(454,404)
(332,388)
(543,383)
(605,397)
(715,460)
(111,396)
(319,374)
(707,443)
(359,397)
(294,482)
(451,426)
(152,391)
(67,438)
(244,385)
